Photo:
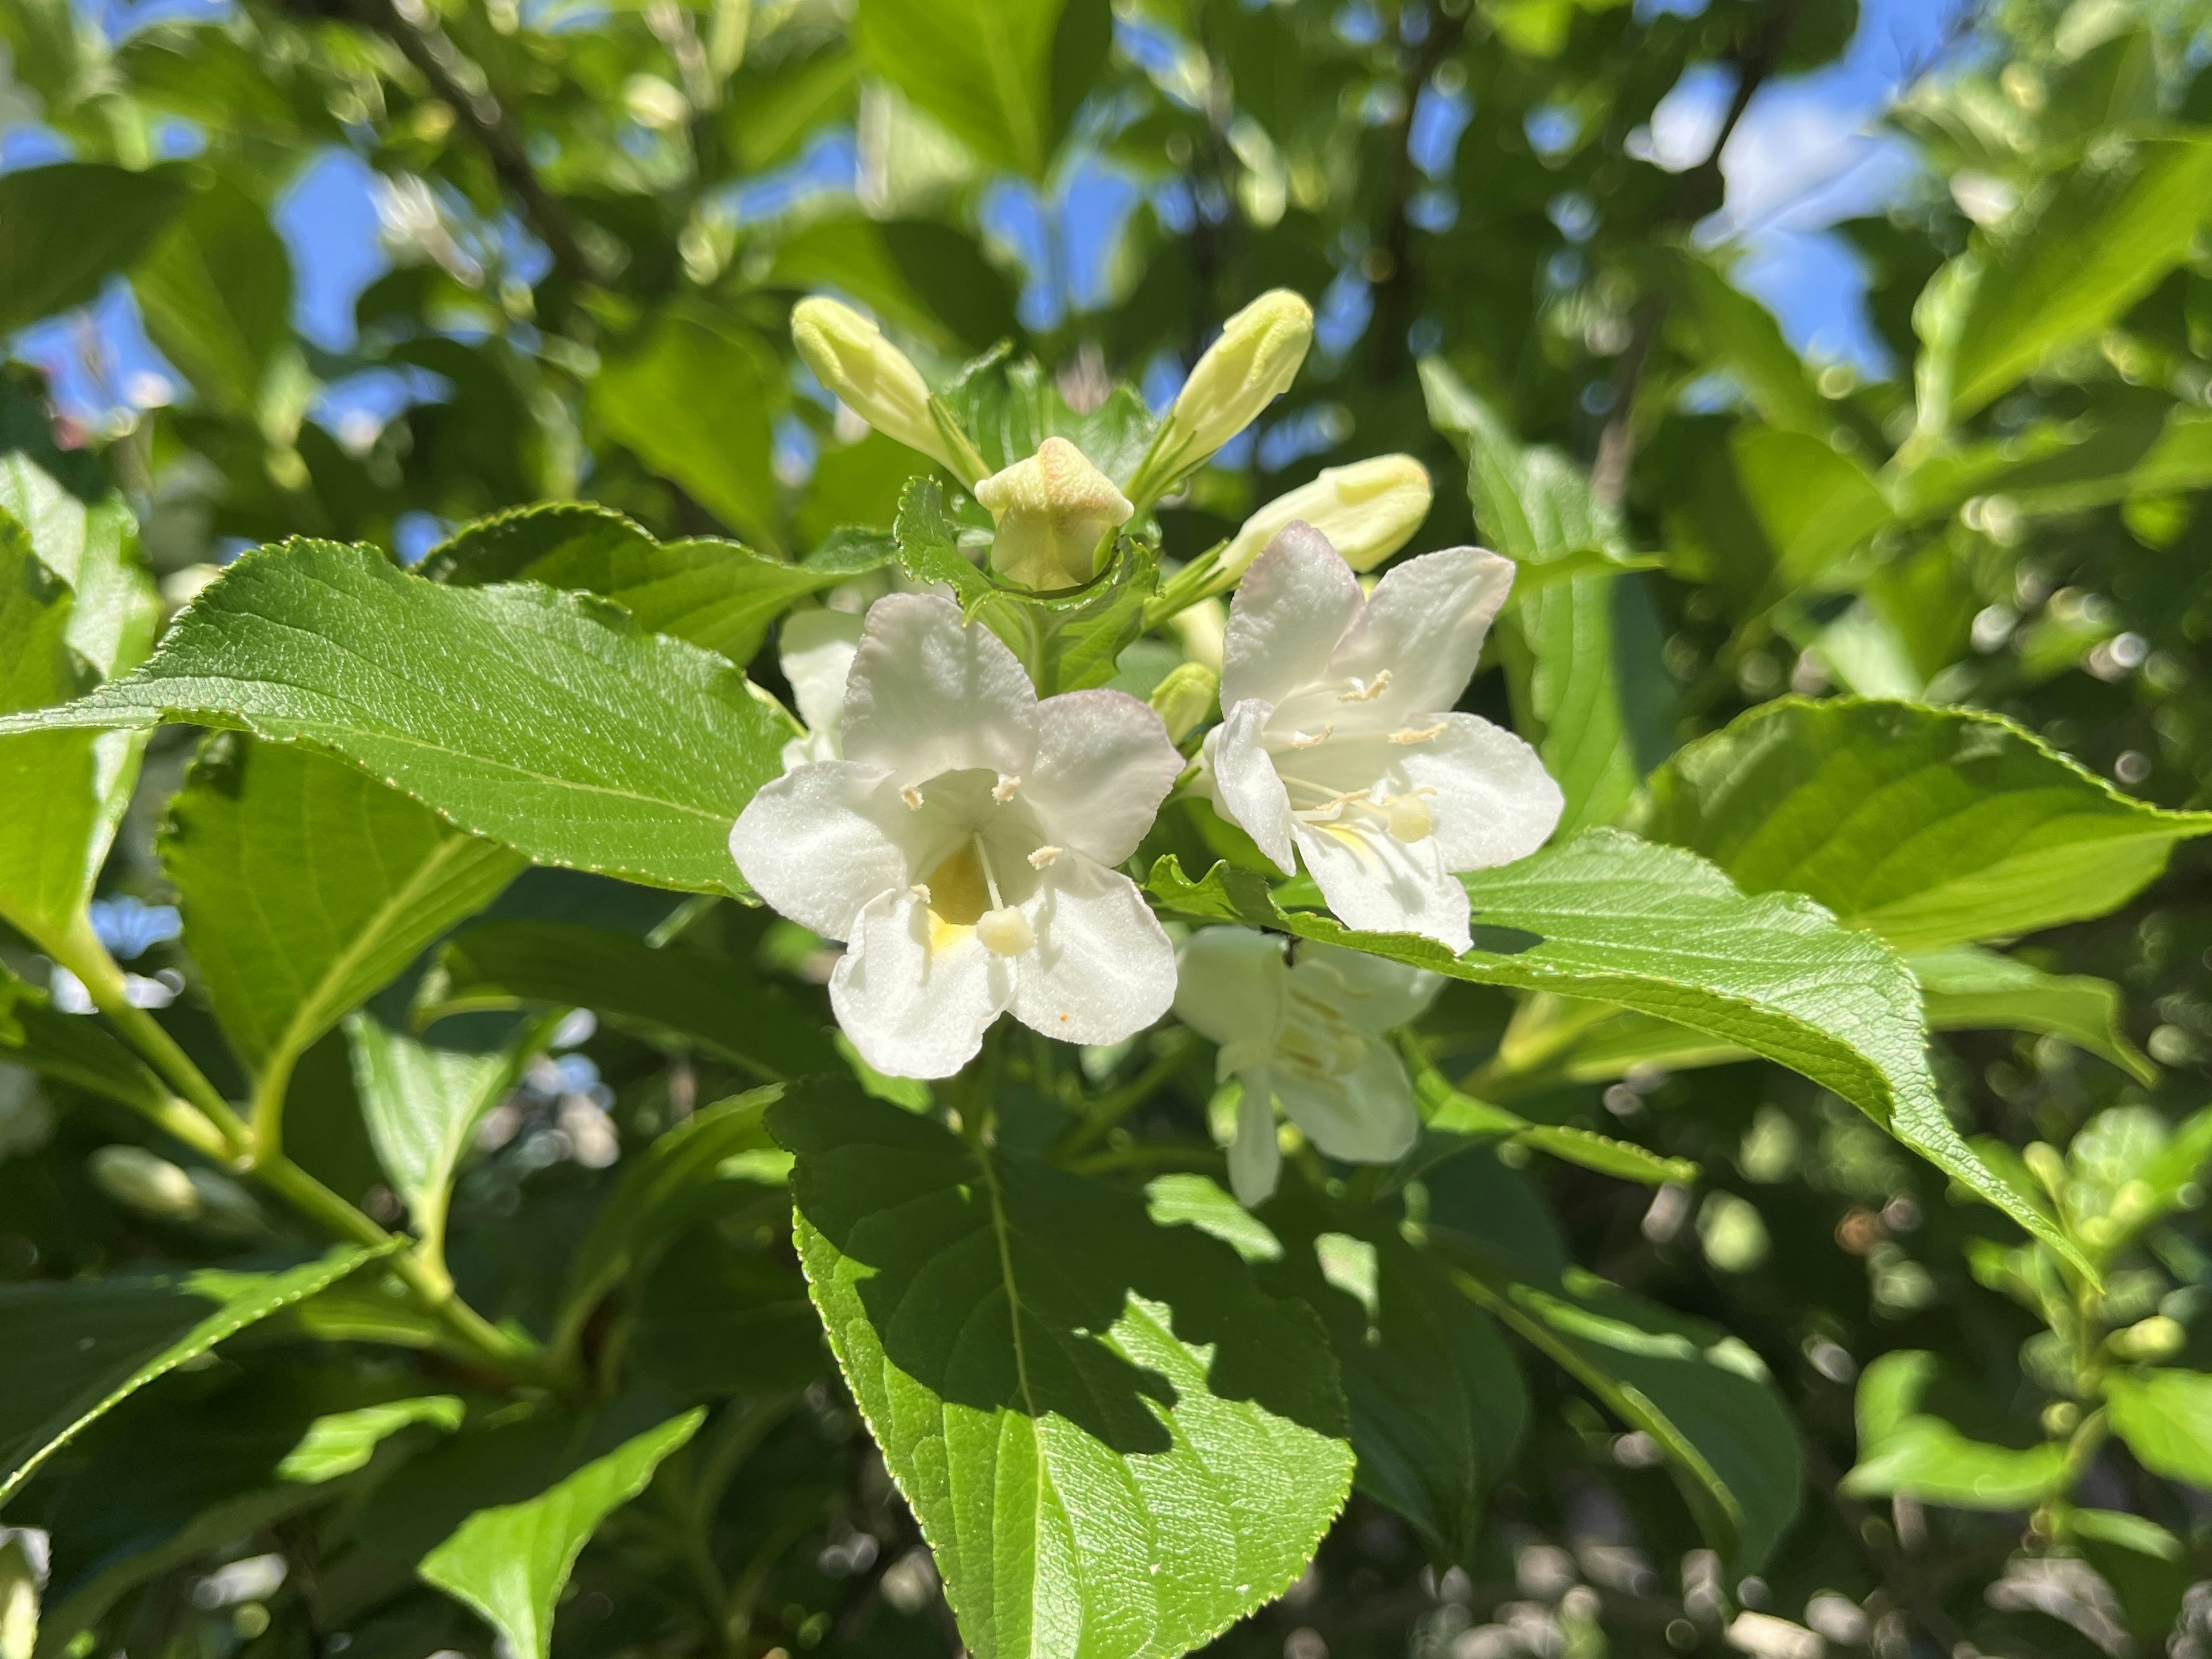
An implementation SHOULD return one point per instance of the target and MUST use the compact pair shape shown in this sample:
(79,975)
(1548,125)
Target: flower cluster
(960,832)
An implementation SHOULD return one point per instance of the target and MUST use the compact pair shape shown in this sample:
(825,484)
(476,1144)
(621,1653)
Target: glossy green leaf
(217,293)
(496,1517)
(1452,1112)
(982,67)
(542,720)
(718,594)
(1965,989)
(64,227)
(2112,232)
(1582,658)
(72,1049)
(1739,332)
(1612,918)
(73,1351)
(422,1106)
(1930,826)
(307,885)
(695,401)
(1115,1443)
(1009,406)
(1812,505)
(2165,1418)
(669,994)
(1905,1450)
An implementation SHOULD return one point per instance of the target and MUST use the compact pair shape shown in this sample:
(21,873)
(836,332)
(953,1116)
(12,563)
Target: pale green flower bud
(1368,510)
(18,1600)
(1185,697)
(2153,1338)
(1053,512)
(870,376)
(1256,359)
(138,1180)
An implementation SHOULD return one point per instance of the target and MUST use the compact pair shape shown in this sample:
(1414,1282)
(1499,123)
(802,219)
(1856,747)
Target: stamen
(1312,739)
(1005,791)
(911,796)
(920,890)
(1417,734)
(1044,858)
(1367,691)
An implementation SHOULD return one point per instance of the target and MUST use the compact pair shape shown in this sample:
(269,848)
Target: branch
(1394,298)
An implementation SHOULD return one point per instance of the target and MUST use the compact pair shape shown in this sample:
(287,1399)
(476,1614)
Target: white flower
(964,847)
(1052,511)
(816,651)
(1368,510)
(1309,1036)
(1337,737)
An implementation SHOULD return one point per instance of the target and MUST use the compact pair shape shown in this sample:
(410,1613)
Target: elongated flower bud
(1054,510)
(1256,358)
(1368,510)
(138,1180)
(18,1600)
(1185,697)
(873,377)
(2159,1337)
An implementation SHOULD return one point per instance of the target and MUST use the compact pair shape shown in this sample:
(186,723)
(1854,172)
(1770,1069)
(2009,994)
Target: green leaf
(1905,1450)
(982,67)
(90,541)
(1965,989)
(64,227)
(545,721)
(1612,918)
(1812,503)
(1930,826)
(496,1518)
(422,1106)
(1009,406)
(2107,237)
(72,1049)
(217,293)
(1742,333)
(2165,1418)
(721,595)
(670,994)
(1114,1442)
(73,1351)
(695,402)
(1449,1110)
(307,885)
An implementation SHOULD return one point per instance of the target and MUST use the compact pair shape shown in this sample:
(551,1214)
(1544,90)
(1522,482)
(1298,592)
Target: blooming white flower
(1309,1036)
(1052,511)
(816,651)
(1368,510)
(964,848)
(1337,738)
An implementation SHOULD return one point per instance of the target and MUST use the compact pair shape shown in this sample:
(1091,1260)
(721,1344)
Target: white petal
(1247,789)
(1255,1158)
(1102,968)
(1293,606)
(1425,623)
(1382,885)
(818,843)
(1375,993)
(1103,766)
(816,652)
(928,695)
(1367,1117)
(1230,985)
(1494,802)
(912,1011)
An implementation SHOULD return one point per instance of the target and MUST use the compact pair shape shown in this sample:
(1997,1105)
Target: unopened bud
(1185,697)
(19,1599)
(2155,1337)
(870,375)
(138,1180)
(1368,510)
(1053,512)
(1256,358)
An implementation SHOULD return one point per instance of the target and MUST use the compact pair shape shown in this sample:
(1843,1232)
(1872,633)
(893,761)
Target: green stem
(1110,1108)
(1148,1155)
(1202,579)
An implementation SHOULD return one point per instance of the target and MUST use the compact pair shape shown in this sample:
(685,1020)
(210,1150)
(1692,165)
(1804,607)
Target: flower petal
(1424,622)
(1102,968)
(1255,1158)
(1494,801)
(910,1010)
(1247,788)
(816,652)
(928,695)
(820,842)
(1230,985)
(1376,994)
(1374,882)
(1367,1117)
(1293,606)
(1103,766)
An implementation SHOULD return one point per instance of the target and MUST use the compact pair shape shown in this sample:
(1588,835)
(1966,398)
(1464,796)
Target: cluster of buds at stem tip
(1368,510)
(877,381)
(1256,358)
(1055,513)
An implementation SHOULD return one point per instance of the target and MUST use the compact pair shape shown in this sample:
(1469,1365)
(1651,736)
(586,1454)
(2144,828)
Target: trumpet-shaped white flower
(1338,741)
(1308,1036)
(816,652)
(964,848)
